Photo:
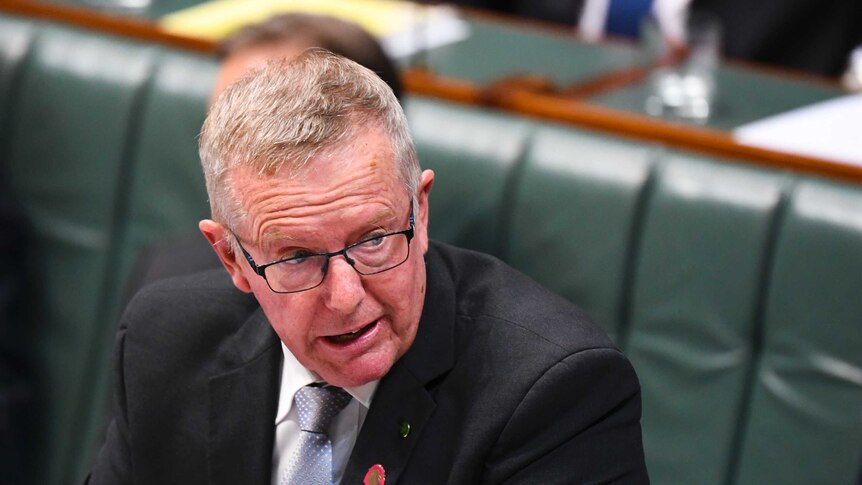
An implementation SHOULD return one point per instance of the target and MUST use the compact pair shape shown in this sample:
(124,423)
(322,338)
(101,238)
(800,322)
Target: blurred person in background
(594,19)
(287,35)
(806,35)
(816,36)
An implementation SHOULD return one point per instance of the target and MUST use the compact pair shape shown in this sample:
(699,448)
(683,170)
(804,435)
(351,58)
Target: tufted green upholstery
(737,292)
(82,114)
(707,234)
(805,406)
(574,187)
(15,40)
(166,187)
(462,149)
(66,157)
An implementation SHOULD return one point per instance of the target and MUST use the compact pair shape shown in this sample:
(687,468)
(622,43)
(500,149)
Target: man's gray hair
(278,118)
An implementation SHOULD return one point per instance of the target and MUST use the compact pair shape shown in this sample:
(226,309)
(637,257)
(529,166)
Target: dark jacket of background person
(559,11)
(809,35)
(816,36)
(15,390)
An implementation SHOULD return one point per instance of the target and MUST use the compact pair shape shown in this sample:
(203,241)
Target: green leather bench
(735,290)
(86,122)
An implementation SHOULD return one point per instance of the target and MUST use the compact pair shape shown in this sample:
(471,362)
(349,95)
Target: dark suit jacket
(505,382)
(16,388)
(810,35)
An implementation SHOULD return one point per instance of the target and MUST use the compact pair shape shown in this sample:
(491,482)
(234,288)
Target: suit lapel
(404,394)
(242,406)
(402,399)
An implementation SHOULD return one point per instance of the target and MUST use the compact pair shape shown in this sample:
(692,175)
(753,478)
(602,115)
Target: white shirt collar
(294,377)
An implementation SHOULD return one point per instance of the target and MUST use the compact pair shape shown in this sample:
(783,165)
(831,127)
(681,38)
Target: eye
(373,240)
(297,257)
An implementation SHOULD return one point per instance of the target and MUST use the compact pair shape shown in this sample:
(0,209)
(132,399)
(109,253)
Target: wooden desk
(744,94)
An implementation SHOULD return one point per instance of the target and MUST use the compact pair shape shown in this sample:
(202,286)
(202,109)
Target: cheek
(282,312)
(410,297)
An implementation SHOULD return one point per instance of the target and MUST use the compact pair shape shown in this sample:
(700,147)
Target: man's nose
(343,286)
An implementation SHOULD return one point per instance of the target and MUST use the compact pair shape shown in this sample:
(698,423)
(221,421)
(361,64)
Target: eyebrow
(273,235)
(375,222)
(380,215)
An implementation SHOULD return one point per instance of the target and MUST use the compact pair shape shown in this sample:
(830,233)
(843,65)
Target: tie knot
(318,405)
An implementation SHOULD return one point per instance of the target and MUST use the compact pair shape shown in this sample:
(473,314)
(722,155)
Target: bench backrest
(86,122)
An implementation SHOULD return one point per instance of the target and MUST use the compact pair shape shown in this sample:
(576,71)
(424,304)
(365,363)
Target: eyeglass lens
(368,257)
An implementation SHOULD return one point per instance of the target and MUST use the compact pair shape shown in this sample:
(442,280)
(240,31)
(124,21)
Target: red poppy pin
(375,476)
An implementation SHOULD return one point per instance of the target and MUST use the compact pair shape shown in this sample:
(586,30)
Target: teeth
(345,337)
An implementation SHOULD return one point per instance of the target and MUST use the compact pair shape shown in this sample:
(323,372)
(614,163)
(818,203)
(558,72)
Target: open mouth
(351,336)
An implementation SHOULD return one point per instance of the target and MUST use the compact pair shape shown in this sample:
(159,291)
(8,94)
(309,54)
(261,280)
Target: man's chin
(357,374)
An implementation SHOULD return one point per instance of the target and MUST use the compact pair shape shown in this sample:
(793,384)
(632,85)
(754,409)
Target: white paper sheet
(403,28)
(831,130)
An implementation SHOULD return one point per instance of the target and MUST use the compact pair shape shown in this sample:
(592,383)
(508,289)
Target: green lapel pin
(404,429)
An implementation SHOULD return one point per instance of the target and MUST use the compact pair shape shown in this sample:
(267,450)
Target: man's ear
(219,239)
(425,183)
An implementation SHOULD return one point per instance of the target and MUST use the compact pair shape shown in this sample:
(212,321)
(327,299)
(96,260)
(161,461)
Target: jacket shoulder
(488,290)
(190,314)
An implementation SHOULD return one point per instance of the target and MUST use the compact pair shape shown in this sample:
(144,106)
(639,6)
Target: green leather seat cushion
(805,420)
(707,235)
(574,212)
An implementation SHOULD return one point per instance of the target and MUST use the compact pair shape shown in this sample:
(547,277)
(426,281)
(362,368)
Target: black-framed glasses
(307,270)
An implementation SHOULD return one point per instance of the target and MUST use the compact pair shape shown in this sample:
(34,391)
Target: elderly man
(365,351)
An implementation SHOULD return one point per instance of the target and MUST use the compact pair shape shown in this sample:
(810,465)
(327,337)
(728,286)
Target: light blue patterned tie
(311,462)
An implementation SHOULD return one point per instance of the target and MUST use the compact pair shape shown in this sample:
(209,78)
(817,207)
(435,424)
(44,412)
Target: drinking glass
(682,81)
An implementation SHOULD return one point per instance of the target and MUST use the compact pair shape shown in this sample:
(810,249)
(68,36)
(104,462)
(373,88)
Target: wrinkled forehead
(357,163)
(366,142)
